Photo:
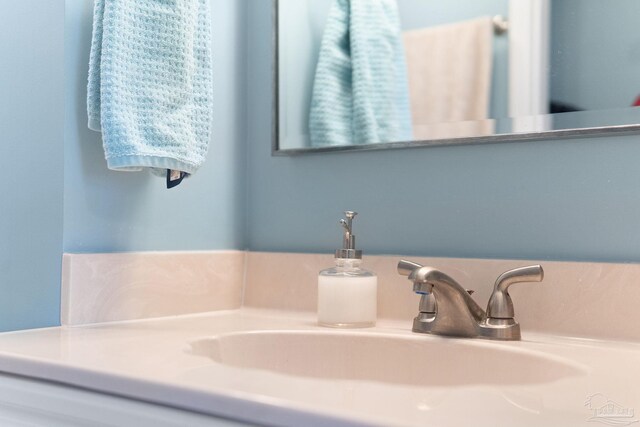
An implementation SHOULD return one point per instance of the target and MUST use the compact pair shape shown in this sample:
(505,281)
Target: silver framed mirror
(540,72)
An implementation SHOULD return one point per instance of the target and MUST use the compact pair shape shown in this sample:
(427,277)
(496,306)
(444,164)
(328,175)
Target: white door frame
(529,57)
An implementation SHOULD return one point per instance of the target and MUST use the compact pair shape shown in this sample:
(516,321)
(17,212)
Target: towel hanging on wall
(150,83)
(360,93)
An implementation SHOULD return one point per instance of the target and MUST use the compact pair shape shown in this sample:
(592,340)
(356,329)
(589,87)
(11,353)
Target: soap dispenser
(347,294)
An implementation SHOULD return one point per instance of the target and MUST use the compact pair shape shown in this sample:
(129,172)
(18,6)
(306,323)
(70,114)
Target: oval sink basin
(404,360)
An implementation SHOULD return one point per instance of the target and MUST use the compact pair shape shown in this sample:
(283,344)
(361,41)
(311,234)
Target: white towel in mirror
(449,69)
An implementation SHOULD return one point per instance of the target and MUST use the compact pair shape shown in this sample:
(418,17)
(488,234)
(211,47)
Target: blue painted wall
(106,211)
(59,194)
(31,146)
(567,200)
(596,45)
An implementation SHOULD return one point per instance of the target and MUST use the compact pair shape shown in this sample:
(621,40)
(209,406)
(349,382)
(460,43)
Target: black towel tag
(174,178)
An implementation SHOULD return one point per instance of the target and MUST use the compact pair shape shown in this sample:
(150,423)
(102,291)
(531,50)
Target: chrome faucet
(446,308)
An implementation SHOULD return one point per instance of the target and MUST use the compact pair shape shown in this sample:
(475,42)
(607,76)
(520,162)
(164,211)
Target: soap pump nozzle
(348,250)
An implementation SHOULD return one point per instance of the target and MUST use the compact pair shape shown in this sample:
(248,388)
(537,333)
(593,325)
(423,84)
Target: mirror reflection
(359,72)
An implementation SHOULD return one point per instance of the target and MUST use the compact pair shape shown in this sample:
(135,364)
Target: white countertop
(150,360)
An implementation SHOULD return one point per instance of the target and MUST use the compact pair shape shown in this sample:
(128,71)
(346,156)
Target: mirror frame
(615,130)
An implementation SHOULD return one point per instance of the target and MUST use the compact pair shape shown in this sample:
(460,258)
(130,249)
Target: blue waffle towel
(150,83)
(360,94)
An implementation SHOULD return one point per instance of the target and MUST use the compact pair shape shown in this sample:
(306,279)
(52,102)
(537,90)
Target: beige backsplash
(590,300)
(125,286)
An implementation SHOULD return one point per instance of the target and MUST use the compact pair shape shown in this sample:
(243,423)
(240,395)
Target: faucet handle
(418,275)
(405,268)
(428,305)
(500,304)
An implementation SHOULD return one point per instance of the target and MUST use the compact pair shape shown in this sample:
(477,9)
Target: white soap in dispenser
(347,294)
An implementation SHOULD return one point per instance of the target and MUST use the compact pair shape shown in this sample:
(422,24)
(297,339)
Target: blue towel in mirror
(360,93)
(150,83)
